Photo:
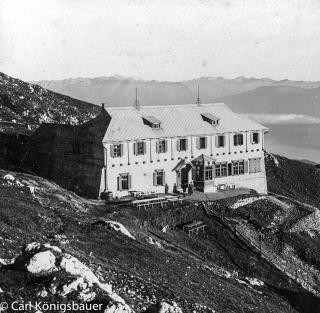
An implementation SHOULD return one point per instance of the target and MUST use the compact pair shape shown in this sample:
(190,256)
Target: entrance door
(185,176)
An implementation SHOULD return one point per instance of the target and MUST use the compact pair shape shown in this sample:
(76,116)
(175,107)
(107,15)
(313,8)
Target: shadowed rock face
(70,155)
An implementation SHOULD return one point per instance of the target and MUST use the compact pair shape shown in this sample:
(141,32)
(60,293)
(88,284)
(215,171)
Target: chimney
(102,107)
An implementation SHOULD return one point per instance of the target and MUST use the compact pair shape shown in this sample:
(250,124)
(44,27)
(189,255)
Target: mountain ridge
(31,104)
(120,91)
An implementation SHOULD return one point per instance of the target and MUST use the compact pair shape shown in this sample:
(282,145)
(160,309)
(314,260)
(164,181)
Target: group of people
(185,187)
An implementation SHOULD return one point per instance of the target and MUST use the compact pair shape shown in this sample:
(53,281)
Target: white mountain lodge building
(209,145)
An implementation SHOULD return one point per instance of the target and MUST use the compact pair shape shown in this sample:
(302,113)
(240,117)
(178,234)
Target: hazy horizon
(161,40)
(171,81)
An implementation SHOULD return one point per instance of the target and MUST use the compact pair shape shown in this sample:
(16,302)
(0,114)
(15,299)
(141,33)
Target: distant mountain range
(276,99)
(32,103)
(25,104)
(244,95)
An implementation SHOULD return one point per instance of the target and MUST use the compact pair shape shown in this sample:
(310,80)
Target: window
(124,181)
(158,178)
(139,148)
(255,165)
(208,173)
(116,151)
(238,167)
(162,146)
(203,142)
(221,169)
(255,138)
(182,144)
(220,141)
(238,140)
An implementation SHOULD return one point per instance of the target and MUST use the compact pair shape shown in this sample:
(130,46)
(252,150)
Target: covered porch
(199,172)
(203,173)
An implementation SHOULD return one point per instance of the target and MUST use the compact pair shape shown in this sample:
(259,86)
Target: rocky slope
(27,105)
(293,178)
(89,252)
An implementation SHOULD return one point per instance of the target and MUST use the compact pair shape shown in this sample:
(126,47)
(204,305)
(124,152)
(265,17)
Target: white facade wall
(142,167)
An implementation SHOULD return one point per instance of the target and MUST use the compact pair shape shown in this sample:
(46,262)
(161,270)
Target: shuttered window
(201,143)
(238,140)
(159,178)
(116,150)
(255,165)
(139,148)
(161,146)
(182,144)
(220,141)
(124,181)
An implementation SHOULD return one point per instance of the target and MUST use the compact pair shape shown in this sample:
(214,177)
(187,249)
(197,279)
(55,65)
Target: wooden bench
(150,202)
(194,227)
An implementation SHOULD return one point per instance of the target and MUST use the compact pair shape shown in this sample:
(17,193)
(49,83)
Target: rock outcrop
(52,273)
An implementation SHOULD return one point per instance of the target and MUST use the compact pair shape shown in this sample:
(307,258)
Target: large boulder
(61,276)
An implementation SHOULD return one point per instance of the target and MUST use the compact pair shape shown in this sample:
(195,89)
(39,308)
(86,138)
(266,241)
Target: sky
(160,39)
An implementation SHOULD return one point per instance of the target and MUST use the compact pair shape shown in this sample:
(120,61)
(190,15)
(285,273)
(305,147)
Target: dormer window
(210,118)
(151,121)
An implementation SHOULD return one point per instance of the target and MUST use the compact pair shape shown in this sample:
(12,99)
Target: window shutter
(251,137)
(118,183)
(229,169)
(164,178)
(245,167)
(187,144)
(213,170)
(157,146)
(154,179)
(198,143)
(258,137)
(216,141)
(121,149)
(112,151)
(129,181)
(178,144)
(135,148)
(258,165)
(205,142)
(224,140)
(165,146)
(144,147)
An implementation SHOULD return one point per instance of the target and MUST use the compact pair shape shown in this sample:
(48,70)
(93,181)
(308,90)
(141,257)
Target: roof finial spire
(136,102)
(198,102)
